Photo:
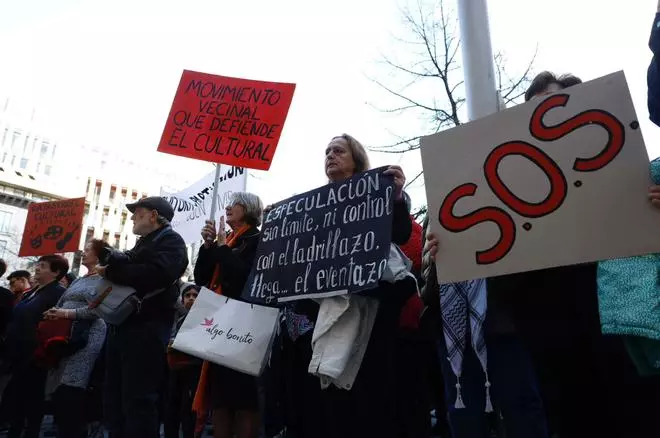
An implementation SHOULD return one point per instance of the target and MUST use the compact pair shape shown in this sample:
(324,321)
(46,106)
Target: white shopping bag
(228,332)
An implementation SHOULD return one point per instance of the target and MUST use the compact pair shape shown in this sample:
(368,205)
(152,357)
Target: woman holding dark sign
(365,405)
(223,266)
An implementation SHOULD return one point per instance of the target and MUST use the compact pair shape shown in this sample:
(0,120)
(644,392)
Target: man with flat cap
(136,349)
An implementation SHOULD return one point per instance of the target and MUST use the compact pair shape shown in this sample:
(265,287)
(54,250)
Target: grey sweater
(76,369)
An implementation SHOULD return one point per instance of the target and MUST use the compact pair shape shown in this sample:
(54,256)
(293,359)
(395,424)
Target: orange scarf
(201,400)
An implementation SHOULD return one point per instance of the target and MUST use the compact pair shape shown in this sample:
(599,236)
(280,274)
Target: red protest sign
(52,227)
(226,120)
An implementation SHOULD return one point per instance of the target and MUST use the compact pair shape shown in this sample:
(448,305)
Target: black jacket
(547,302)
(653,75)
(150,266)
(6,308)
(22,330)
(235,263)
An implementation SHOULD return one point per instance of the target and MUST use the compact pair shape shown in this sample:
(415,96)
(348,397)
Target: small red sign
(226,120)
(52,227)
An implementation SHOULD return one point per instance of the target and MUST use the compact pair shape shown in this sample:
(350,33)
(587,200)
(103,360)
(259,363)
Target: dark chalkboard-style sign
(334,240)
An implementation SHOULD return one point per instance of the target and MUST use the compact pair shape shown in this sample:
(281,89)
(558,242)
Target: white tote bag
(228,332)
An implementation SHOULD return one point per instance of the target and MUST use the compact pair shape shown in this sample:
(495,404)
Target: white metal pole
(478,67)
(214,200)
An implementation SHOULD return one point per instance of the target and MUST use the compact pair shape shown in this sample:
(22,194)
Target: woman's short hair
(97,246)
(545,79)
(56,263)
(359,153)
(19,274)
(251,203)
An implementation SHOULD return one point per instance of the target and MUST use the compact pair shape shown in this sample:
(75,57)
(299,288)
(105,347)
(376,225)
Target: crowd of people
(526,355)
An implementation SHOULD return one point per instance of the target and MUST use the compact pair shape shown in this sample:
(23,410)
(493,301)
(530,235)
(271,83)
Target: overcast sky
(105,72)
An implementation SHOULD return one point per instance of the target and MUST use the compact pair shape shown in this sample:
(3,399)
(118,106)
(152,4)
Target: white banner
(192,206)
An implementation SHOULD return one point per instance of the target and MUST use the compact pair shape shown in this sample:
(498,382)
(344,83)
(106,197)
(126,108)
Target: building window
(89,183)
(4,137)
(134,195)
(24,163)
(106,235)
(124,216)
(5,221)
(25,144)
(97,192)
(48,169)
(117,240)
(90,234)
(44,149)
(14,138)
(113,191)
(104,219)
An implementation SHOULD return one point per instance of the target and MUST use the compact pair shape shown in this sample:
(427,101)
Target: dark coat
(653,75)
(235,264)
(22,330)
(370,407)
(150,266)
(7,299)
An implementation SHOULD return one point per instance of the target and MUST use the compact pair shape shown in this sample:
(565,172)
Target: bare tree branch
(428,61)
(412,144)
(405,70)
(401,96)
(414,179)
(421,211)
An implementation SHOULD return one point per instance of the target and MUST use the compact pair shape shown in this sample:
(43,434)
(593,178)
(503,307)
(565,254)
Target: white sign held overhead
(192,206)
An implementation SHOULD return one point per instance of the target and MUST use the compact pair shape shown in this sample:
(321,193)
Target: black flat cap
(163,207)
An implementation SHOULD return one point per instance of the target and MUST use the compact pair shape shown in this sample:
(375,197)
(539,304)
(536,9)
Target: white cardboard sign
(560,180)
(192,205)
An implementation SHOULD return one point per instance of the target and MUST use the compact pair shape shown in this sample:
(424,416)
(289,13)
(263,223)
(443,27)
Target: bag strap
(153,294)
(94,304)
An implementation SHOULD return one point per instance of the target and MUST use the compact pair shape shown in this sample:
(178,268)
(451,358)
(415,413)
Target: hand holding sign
(222,233)
(654,195)
(209,233)
(432,243)
(399,180)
